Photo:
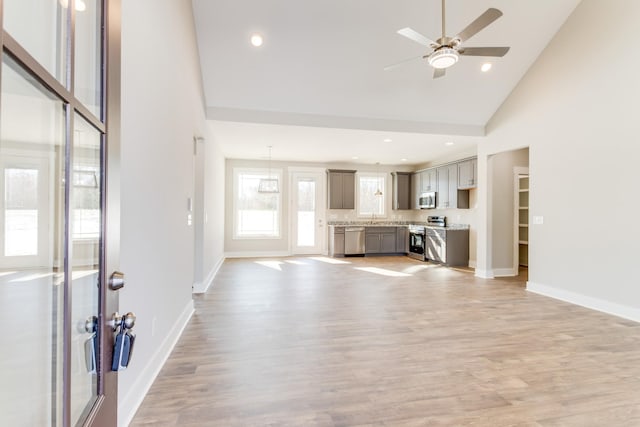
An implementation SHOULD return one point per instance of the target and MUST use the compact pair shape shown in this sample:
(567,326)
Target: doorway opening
(508,212)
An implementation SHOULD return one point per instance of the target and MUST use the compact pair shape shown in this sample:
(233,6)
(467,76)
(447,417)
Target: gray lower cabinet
(402,240)
(380,240)
(336,241)
(449,247)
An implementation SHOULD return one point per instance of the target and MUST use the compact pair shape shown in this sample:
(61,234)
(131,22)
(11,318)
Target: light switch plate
(538,220)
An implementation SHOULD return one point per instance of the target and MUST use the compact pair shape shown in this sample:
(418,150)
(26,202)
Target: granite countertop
(395,224)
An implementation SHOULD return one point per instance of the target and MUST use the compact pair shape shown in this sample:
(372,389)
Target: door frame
(321,212)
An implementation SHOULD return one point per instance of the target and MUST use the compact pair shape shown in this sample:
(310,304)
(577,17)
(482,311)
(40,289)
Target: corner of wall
(202,287)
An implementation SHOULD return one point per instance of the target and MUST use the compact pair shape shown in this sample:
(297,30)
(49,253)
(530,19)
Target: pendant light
(378,191)
(268,185)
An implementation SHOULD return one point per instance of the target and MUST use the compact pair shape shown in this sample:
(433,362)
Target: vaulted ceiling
(317,91)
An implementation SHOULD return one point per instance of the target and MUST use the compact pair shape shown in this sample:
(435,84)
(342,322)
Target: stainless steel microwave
(427,200)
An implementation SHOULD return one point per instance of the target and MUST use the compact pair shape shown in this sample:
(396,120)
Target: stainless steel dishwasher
(354,241)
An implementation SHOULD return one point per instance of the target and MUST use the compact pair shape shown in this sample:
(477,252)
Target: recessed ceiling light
(449,143)
(403,160)
(256,40)
(486,67)
(388,140)
(355,158)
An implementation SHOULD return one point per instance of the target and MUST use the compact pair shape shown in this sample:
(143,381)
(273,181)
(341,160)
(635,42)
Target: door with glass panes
(58,224)
(308,233)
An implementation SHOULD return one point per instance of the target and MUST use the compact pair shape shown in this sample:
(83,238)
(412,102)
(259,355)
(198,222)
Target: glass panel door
(53,137)
(306,209)
(308,214)
(31,263)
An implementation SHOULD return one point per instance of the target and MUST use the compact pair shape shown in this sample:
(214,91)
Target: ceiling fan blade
(481,22)
(417,37)
(439,72)
(484,51)
(397,64)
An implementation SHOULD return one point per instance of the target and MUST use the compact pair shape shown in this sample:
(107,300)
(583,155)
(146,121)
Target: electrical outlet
(538,220)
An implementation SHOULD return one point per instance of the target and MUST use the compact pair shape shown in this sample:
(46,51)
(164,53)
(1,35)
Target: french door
(308,232)
(59,108)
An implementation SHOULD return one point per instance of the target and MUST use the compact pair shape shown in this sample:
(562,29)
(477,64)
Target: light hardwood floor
(303,342)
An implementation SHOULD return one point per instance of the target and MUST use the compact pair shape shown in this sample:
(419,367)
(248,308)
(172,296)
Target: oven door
(416,245)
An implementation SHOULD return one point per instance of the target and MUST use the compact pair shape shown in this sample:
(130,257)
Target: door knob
(129,320)
(116,281)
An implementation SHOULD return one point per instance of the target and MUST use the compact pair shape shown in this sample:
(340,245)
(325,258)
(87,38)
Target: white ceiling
(316,90)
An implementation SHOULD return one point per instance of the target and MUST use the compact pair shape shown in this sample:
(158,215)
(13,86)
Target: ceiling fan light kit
(443,58)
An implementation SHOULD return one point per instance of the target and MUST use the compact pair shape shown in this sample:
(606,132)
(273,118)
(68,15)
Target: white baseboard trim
(504,272)
(473,263)
(264,254)
(201,287)
(484,274)
(129,403)
(615,309)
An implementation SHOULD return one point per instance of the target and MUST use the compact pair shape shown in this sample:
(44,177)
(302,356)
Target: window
(256,215)
(370,204)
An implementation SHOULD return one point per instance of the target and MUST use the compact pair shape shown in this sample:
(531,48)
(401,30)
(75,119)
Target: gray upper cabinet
(422,182)
(451,182)
(416,184)
(449,196)
(429,180)
(401,190)
(342,189)
(467,174)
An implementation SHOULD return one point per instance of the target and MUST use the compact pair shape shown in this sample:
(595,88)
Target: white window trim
(384,194)
(278,173)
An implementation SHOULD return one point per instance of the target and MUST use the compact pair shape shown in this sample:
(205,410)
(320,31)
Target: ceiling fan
(447,50)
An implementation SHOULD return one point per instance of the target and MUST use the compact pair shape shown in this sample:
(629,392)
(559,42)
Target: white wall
(577,111)
(162,110)
(214,214)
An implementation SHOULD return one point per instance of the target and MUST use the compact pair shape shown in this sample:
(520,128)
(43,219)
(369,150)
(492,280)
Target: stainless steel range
(417,241)
(417,236)
(437,221)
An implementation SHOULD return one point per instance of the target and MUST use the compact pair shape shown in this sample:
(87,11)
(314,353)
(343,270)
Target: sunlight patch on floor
(329,260)
(276,265)
(295,262)
(383,271)
(416,268)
